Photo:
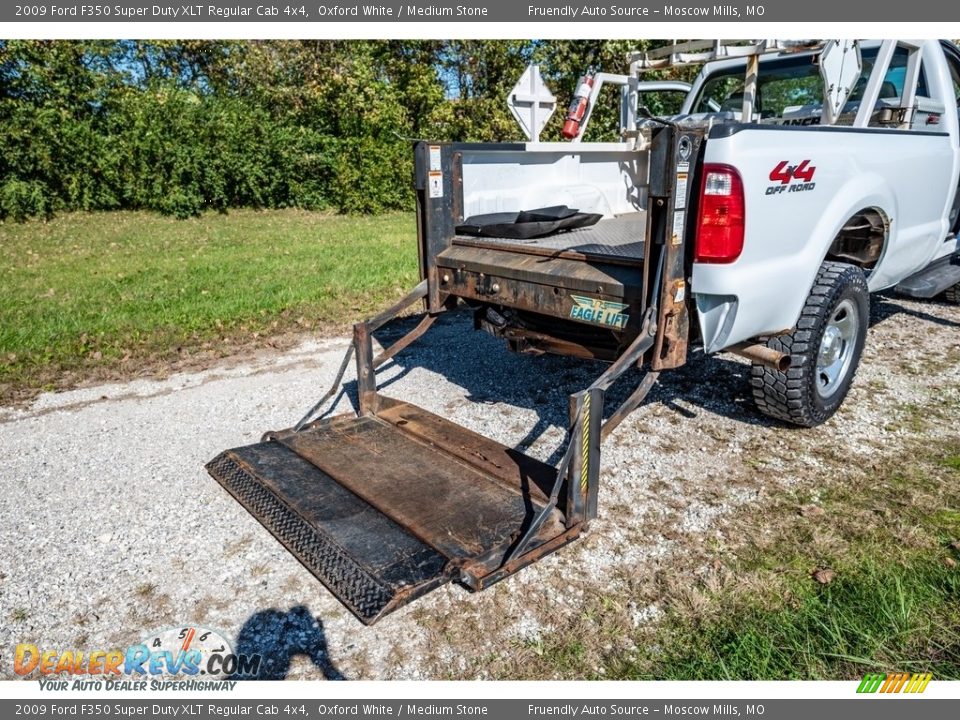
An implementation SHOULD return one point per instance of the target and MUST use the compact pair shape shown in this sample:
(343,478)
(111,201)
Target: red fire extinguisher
(579,105)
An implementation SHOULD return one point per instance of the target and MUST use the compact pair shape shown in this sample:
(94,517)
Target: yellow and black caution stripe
(585,445)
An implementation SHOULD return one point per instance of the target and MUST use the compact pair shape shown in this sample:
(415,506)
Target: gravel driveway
(113,528)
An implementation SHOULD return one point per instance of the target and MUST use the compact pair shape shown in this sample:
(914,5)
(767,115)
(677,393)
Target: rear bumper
(718,314)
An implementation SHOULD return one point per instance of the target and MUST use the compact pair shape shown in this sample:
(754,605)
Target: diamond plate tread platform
(385,508)
(368,561)
(614,238)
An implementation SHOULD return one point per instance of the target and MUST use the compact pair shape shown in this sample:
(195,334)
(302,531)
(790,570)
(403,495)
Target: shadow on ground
(489,373)
(278,636)
(886,306)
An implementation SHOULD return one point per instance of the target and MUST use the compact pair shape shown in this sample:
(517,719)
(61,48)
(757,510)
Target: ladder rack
(696,52)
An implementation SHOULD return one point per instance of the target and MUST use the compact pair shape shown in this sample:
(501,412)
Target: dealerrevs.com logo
(178,658)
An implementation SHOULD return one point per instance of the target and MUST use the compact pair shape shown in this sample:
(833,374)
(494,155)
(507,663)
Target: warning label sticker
(676,237)
(435,184)
(434,157)
(681,201)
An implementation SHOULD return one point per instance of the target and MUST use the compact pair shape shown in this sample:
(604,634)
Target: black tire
(952,294)
(806,394)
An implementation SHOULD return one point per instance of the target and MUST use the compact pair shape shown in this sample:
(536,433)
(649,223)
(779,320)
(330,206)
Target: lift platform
(392,502)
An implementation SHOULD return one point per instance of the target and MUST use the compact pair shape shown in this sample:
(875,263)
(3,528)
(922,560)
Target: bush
(370,175)
(180,153)
(20,199)
(181,127)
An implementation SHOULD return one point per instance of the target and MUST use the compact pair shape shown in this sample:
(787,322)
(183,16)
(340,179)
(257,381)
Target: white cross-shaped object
(840,68)
(531,103)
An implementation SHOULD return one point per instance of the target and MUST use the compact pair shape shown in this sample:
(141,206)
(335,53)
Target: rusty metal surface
(366,373)
(671,226)
(435,215)
(615,240)
(545,300)
(448,503)
(671,349)
(562,273)
(550,288)
(367,561)
(518,473)
(530,341)
(537,333)
(760,353)
(385,508)
(485,580)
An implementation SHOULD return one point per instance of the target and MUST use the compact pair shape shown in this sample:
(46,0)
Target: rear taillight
(721,219)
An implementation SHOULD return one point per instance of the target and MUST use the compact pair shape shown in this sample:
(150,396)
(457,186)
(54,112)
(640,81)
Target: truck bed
(617,240)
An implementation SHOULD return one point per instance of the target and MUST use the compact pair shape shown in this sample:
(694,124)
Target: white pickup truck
(796,179)
(821,171)
(827,213)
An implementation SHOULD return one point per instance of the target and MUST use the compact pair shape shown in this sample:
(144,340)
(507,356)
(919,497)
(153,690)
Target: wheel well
(862,239)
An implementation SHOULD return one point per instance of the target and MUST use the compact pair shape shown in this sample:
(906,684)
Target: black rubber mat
(621,237)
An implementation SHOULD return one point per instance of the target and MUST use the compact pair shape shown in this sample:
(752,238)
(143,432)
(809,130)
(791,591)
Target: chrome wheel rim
(836,348)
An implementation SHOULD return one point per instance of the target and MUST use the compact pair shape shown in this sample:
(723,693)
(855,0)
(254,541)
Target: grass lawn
(885,596)
(886,599)
(88,292)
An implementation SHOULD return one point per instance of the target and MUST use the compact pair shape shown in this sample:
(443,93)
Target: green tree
(183,126)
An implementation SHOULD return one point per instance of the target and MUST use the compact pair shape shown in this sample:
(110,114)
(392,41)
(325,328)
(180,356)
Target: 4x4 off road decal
(791,178)
(599,312)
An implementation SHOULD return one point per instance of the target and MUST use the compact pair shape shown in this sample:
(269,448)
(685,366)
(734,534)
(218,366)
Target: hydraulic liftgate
(388,504)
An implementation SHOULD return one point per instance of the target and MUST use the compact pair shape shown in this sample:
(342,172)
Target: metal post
(874,83)
(750,89)
(590,443)
(576,492)
(909,98)
(366,376)
(583,475)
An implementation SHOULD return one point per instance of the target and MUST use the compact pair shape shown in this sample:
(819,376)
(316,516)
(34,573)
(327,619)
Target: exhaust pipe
(760,353)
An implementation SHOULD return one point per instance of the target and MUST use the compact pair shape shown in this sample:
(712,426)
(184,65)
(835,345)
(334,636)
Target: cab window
(781,84)
(790,90)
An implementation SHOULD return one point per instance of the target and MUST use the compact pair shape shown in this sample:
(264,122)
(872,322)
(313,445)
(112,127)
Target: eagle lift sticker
(791,178)
(599,312)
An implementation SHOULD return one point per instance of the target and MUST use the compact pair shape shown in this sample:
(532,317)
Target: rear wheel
(952,294)
(824,350)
